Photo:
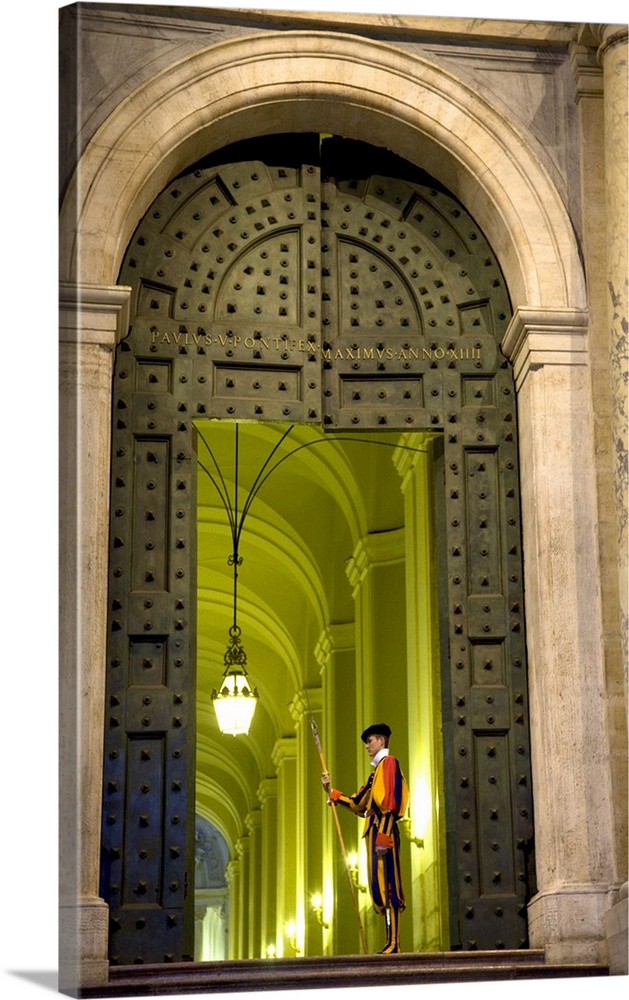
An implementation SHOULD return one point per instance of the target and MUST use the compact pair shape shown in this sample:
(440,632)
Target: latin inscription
(282,344)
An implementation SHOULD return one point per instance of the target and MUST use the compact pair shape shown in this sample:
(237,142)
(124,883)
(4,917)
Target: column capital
(538,337)
(253,820)
(232,871)
(376,549)
(587,70)
(305,701)
(334,637)
(601,36)
(406,456)
(243,845)
(267,789)
(411,445)
(608,35)
(285,749)
(93,314)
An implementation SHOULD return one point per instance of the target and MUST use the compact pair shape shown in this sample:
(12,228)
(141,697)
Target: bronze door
(356,293)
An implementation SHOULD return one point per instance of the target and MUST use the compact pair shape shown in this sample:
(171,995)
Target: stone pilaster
(425,872)
(285,761)
(372,573)
(93,319)
(376,575)
(243,848)
(254,902)
(200,913)
(307,705)
(335,654)
(233,876)
(569,726)
(600,65)
(612,55)
(267,796)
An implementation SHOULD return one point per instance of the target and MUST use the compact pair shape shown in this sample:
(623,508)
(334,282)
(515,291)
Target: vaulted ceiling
(316,496)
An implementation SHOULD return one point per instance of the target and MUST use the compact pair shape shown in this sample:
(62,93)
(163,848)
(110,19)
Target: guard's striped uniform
(382,801)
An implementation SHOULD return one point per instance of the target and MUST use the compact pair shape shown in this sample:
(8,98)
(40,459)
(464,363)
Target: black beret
(379,729)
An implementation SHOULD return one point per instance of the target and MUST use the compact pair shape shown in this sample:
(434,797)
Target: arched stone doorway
(517,207)
(358,88)
(349,290)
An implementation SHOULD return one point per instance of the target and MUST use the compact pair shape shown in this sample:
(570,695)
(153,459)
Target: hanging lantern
(236,701)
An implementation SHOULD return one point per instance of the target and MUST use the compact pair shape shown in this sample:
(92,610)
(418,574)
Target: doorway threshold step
(332,971)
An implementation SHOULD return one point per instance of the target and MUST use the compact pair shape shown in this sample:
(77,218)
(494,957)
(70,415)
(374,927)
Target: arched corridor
(324,574)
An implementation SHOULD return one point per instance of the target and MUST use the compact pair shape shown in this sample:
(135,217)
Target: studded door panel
(410,291)
(225,275)
(261,293)
(148,806)
(225,270)
(414,308)
(489,744)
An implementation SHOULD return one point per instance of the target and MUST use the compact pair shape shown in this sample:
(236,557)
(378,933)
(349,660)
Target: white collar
(379,756)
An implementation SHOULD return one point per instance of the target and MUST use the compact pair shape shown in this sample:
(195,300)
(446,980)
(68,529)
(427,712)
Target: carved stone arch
(356,87)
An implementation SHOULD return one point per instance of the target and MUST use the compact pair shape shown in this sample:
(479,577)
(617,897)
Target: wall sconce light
(352,864)
(317,908)
(271,951)
(405,824)
(291,934)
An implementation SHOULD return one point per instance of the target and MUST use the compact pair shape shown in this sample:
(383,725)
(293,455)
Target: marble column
(200,913)
(209,925)
(233,876)
(574,827)
(612,55)
(335,654)
(253,822)
(426,876)
(243,846)
(599,59)
(93,319)
(310,806)
(267,796)
(376,573)
(285,761)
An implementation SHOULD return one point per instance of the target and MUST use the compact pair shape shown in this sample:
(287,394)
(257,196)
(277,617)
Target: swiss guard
(382,800)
